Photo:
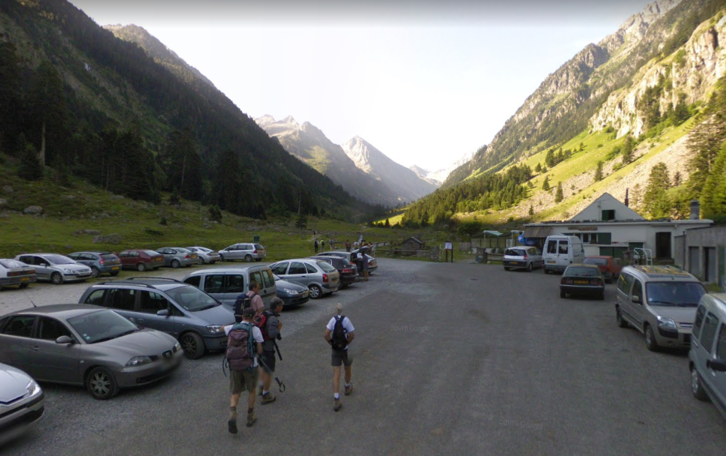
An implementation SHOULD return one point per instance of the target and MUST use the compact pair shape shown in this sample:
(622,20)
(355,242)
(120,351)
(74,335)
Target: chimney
(627,201)
(695,210)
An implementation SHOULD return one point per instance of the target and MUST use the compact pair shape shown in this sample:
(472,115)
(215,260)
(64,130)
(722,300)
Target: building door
(663,245)
(693,263)
(709,264)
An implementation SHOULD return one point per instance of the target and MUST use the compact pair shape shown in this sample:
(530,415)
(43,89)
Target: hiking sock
(265,393)
(233,413)
(336,396)
(347,385)
(232,422)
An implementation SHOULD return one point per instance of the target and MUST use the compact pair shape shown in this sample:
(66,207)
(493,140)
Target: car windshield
(100,326)
(59,259)
(674,294)
(514,252)
(192,298)
(108,256)
(10,264)
(597,261)
(151,252)
(325,266)
(582,272)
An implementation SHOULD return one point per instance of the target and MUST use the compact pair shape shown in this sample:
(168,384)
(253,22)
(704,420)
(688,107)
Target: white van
(560,251)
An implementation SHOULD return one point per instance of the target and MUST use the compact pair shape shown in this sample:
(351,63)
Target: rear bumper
(18,280)
(590,290)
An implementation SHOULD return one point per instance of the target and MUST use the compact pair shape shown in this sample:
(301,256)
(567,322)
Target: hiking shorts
(243,380)
(341,357)
(268,358)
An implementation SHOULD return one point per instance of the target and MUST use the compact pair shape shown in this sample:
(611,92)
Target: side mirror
(64,340)
(716,364)
(163,313)
(635,299)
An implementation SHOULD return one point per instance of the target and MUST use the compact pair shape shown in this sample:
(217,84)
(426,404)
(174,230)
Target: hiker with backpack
(250,299)
(339,333)
(270,327)
(244,344)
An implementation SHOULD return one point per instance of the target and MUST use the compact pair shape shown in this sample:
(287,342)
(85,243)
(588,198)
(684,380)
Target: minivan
(561,251)
(244,252)
(226,284)
(707,357)
(660,302)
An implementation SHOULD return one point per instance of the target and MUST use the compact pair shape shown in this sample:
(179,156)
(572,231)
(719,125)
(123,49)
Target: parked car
(320,277)
(582,279)
(86,345)
(707,357)
(206,256)
(243,251)
(99,262)
(292,294)
(372,262)
(660,302)
(23,403)
(609,266)
(141,259)
(196,319)
(14,272)
(347,270)
(177,256)
(561,251)
(226,284)
(56,268)
(522,258)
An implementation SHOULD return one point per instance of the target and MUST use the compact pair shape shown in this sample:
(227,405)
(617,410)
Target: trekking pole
(280,386)
(279,355)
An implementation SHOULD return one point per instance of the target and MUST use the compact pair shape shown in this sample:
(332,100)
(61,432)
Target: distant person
(271,328)
(355,245)
(332,244)
(347,246)
(317,245)
(322,243)
(339,333)
(244,344)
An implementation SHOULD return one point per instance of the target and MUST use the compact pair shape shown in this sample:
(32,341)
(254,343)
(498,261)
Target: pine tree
(656,200)
(627,149)
(546,183)
(30,167)
(559,196)
(598,172)
(387,224)
(531,210)
(713,197)
(538,168)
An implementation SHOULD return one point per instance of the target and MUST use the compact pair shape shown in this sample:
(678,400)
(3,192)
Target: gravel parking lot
(449,358)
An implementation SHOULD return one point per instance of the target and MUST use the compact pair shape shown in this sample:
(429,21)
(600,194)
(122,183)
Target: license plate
(513,262)
(114,268)
(25,279)
(582,282)
(551,261)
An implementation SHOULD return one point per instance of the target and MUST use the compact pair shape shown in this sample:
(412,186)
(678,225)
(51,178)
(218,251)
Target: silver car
(86,345)
(14,272)
(707,357)
(177,256)
(22,403)
(206,256)
(243,251)
(522,258)
(56,268)
(319,276)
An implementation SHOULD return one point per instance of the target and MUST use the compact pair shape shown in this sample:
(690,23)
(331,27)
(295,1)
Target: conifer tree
(656,200)
(546,183)
(598,172)
(559,196)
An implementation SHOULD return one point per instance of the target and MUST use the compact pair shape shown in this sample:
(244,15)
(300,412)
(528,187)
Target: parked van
(707,358)
(561,251)
(226,284)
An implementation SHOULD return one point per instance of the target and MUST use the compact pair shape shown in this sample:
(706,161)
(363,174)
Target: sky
(424,81)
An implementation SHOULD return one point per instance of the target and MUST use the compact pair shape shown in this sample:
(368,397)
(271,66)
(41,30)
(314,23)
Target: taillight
(525,256)
(595,282)
(186,257)
(325,278)
(255,251)
(101,261)
(566,281)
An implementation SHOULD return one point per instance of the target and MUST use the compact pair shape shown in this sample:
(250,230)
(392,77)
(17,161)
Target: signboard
(582,228)
(448,246)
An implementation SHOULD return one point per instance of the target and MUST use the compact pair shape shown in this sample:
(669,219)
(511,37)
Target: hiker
(316,246)
(244,343)
(363,263)
(256,302)
(339,333)
(347,246)
(332,244)
(271,328)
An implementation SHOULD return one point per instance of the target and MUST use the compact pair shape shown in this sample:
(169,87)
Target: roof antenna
(29,299)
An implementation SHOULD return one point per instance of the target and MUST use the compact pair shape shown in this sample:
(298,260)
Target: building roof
(607,202)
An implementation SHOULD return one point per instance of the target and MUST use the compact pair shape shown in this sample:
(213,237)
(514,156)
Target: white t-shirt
(256,335)
(347,326)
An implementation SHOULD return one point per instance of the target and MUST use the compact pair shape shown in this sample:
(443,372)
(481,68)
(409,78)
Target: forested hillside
(75,100)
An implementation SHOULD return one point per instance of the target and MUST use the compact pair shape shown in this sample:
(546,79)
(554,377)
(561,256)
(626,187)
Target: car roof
(661,272)
(581,265)
(159,283)
(598,256)
(230,270)
(60,311)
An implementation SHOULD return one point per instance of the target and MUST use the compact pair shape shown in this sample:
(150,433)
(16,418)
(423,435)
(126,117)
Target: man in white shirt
(340,355)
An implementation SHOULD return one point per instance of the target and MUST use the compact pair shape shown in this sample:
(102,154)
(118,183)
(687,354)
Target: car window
(563,247)
(193,280)
(151,252)
(721,344)
(325,266)
(214,283)
(234,283)
(710,324)
(698,323)
(624,283)
(674,294)
(532,251)
(638,289)
(297,268)
(280,268)
(191,298)
(151,302)
(108,257)
(311,269)
(59,259)
(257,277)
(552,247)
(259,247)
(51,329)
(102,325)
(20,325)
(514,252)
(267,276)
(133,254)
(10,264)
(96,297)
(574,271)
(597,261)
(121,299)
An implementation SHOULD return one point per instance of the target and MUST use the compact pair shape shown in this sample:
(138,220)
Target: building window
(608,215)
(594,238)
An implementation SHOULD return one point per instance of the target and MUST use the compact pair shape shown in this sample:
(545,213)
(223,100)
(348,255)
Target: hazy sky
(424,81)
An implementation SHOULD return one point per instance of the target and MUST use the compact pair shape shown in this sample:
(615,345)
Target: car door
(705,328)
(563,253)
(719,378)
(297,273)
(16,342)
(266,292)
(53,361)
(123,301)
(233,285)
(637,306)
(280,269)
(625,284)
(148,306)
(270,289)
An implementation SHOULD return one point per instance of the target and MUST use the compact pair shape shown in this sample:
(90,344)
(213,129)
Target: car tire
(315,292)
(529,267)
(248,258)
(56,278)
(650,341)
(24,285)
(201,261)
(221,257)
(175,264)
(506,268)
(622,323)
(563,295)
(545,270)
(114,273)
(258,259)
(101,384)
(193,345)
(95,272)
(697,386)
(211,262)
(141,267)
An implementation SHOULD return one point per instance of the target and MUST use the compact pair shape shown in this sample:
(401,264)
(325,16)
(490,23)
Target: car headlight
(138,361)
(176,348)
(668,323)
(69,271)
(33,389)
(215,329)
(288,291)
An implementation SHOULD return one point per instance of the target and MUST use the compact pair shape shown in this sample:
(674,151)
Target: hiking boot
(251,418)
(337,405)
(267,398)
(232,424)
(348,389)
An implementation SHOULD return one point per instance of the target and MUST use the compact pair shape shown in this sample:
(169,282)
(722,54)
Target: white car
(206,256)
(22,402)
(56,268)
(13,272)
(243,251)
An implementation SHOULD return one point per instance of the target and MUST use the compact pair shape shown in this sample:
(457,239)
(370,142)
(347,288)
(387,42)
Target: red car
(609,266)
(141,259)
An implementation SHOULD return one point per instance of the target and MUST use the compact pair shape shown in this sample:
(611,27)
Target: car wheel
(24,285)
(101,384)
(175,264)
(114,273)
(56,278)
(248,258)
(650,341)
(141,267)
(193,345)
(95,272)
(221,257)
(619,318)
(563,295)
(506,268)
(258,259)
(201,260)
(529,267)
(315,291)
(696,386)
(545,270)
(211,262)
